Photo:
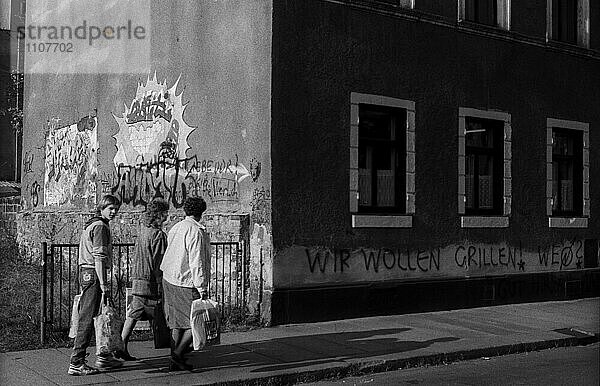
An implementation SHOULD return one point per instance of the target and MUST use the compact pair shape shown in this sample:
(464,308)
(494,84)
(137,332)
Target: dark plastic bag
(160,330)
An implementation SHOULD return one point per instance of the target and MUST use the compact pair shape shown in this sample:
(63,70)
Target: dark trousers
(89,305)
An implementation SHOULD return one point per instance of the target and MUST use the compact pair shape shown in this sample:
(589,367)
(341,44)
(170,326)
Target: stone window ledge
(381,221)
(567,222)
(484,221)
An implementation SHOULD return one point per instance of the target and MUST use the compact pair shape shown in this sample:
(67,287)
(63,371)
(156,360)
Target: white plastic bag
(108,327)
(74,317)
(205,323)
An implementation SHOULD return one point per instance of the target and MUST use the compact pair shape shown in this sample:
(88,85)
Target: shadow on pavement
(300,351)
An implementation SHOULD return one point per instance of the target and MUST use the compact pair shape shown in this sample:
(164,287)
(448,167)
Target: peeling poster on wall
(152,125)
(71,166)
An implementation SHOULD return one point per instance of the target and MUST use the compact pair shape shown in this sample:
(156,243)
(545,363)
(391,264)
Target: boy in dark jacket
(95,257)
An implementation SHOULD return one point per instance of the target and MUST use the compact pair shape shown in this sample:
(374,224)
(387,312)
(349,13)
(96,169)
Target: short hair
(194,206)
(153,211)
(106,201)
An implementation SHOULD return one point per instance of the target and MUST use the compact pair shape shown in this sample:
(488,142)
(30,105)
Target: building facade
(377,156)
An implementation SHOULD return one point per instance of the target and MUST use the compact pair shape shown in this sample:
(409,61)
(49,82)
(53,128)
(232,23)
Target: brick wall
(9,207)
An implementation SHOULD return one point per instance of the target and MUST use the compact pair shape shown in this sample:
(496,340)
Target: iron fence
(229,282)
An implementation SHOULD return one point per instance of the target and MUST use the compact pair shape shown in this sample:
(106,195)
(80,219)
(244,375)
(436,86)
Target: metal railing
(229,282)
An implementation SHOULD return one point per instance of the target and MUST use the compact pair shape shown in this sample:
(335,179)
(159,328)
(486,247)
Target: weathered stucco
(248,104)
(196,124)
(323,52)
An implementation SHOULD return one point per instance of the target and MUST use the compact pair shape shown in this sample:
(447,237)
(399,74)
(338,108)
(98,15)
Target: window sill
(565,45)
(375,221)
(567,222)
(484,221)
(480,26)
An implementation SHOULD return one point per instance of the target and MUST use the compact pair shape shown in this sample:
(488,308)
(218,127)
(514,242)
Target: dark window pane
(564,20)
(375,124)
(381,158)
(567,172)
(479,135)
(563,144)
(486,182)
(484,165)
(469,180)
(481,11)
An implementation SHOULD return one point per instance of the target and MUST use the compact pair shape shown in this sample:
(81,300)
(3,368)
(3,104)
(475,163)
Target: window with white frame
(382,161)
(489,12)
(568,21)
(567,188)
(484,168)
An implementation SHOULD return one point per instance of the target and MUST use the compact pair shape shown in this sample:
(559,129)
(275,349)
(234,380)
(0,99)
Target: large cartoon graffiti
(152,125)
(151,159)
(304,266)
(71,164)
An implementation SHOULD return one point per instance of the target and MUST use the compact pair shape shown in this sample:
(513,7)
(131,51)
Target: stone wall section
(9,207)
(35,227)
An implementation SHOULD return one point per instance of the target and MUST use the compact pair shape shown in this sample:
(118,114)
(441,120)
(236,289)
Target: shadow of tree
(308,350)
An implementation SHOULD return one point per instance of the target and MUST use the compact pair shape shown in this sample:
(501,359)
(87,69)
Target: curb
(370,367)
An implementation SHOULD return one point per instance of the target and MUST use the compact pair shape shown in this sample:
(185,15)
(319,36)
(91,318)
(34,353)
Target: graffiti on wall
(70,166)
(31,191)
(300,265)
(27,162)
(152,125)
(174,179)
(260,204)
(151,159)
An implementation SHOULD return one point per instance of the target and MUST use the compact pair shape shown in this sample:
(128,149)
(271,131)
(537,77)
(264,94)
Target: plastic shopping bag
(205,323)
(108,327)
(74,317)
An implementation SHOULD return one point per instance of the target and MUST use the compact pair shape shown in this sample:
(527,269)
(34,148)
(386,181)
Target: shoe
(125,356)
(107,363)
(178,364)
(82,369)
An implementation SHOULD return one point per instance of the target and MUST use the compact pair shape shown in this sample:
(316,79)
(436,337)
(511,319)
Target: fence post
(260,284)
(43,294)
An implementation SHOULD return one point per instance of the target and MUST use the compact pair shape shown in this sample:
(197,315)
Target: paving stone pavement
(313,351)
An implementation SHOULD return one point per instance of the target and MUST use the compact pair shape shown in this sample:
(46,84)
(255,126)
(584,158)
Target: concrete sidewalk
(308,352)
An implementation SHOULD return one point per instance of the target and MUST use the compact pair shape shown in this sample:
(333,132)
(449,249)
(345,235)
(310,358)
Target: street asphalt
(314,351)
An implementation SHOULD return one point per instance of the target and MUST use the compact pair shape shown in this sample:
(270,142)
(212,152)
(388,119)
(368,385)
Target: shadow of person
(307,350)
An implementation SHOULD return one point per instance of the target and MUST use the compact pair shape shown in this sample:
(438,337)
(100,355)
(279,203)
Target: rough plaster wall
(336,50)
(218,55)
(442,8)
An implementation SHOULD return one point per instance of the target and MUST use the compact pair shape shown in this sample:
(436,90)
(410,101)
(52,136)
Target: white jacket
(186,262)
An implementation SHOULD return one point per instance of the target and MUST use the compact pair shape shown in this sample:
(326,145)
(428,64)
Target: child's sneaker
(82,369)
(107,363)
